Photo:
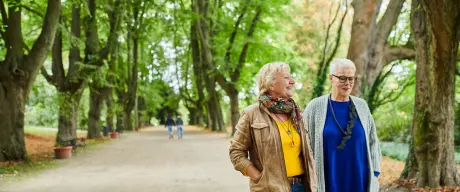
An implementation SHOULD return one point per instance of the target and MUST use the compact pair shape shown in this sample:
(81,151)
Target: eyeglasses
(344,79)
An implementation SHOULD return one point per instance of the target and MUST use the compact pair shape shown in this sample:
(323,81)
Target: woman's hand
(253,173)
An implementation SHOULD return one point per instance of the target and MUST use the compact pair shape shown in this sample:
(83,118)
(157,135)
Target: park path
(143,161)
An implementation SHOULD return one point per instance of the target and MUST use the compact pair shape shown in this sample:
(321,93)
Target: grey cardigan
(314,120)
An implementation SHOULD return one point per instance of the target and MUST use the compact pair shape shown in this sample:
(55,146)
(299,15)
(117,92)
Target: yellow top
(291,142)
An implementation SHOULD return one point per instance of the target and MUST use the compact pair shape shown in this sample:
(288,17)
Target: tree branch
(74,54)
(337,41)
(235,30)
(141,19)
(388,20)
(3,11)
(393,53)
(4,19)
(57,64)
(32,11)
(14,38)
(39,50)
(48,77)
(114,26)
(389,97)
(326,40)
(236,74)
(222,82)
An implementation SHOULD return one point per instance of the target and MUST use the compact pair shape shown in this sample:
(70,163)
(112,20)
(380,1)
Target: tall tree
(369,48)
(69,85)
(329,53)
(128,96)
(17,73)
(436,28)
(198,74)
(204,32)
(96,55)
(230,87)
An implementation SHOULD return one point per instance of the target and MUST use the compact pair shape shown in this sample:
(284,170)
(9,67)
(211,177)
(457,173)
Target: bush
(394,120)
(396,151)
(399,151)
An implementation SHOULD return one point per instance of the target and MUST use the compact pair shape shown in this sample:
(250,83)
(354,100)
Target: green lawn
(44,130)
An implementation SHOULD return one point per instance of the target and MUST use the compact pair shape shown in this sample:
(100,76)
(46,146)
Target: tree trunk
(120,124)
(411,168)
(17,73)
(127,125)
(69,89)
(376,50)
(192,116)
(12,146)
(235,111)
(436,30)
(110,112)
(215,117)
(68,115)
(96,56)
(197,66)
(371,52)
(96,100)
(364,12)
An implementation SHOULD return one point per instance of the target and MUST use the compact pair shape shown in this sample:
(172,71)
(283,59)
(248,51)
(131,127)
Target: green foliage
(399,151)
(41,106)
(292,32)
(396,151)
(394,120)
(83,111)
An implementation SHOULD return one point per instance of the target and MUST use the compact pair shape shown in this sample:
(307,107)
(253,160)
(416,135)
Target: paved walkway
(144,161)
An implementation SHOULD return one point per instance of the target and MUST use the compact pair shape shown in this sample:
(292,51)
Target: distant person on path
(343,135)
(272,131)
(170,123)
(180,125)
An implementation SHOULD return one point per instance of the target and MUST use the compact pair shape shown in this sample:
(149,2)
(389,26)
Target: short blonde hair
(336,63)
(267,75)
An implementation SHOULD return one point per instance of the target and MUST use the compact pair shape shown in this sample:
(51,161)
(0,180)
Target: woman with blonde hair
(272,133)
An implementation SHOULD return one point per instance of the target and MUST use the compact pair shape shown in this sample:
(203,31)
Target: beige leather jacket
(257,133)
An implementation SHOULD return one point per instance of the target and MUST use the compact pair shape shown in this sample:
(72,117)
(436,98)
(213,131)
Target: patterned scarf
(283,106)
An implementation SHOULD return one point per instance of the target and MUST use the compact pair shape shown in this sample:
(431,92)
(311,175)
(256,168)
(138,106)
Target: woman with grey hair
(343,135)
(271,132)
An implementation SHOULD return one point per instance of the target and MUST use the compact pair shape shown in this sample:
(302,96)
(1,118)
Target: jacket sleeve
(374,145)
(309,125)
(240,144)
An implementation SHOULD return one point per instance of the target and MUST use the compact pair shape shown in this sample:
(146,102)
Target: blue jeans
(179,131)
(297,188)
(170,133)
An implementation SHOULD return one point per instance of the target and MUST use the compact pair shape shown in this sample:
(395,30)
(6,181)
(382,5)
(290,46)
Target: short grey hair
(267,75)
(339,62)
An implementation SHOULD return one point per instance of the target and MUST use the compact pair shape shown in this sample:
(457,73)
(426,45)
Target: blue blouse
(344,169)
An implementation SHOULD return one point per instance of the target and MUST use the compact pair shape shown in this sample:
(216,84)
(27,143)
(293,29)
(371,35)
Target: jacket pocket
(259,184)
(261,131)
